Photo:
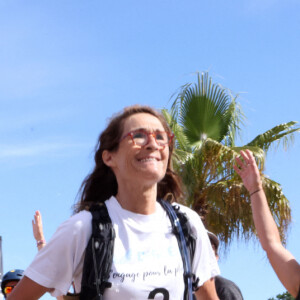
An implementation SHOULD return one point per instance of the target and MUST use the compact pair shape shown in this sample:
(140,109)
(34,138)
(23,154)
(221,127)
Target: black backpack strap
(190,239)
(182,237)
(98,256)
(189,236)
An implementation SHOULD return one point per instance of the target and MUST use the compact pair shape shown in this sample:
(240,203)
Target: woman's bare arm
(207,291)
(27,289)
(282,261)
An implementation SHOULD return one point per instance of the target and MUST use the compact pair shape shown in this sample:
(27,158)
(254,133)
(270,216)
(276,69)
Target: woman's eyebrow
(147,129)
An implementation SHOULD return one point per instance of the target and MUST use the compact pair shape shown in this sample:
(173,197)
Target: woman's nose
(152,141)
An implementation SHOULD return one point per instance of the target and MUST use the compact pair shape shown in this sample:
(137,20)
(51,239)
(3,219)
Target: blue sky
(67,66)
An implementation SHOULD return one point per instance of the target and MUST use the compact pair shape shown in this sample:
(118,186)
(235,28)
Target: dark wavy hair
(101,184)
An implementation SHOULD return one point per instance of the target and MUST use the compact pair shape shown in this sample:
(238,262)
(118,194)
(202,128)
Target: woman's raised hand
(247,169)
(37,227)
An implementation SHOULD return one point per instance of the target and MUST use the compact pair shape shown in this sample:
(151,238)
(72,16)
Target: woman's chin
(150,178)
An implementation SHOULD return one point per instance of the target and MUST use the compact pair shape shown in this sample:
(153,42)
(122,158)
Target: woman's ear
(108,158)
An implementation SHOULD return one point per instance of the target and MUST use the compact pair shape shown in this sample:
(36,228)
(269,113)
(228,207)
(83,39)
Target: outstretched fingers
(247,169)
(38,218)
(242,162)
(237,169)
(37,226)
(239,163)
(246,159)
(249,157)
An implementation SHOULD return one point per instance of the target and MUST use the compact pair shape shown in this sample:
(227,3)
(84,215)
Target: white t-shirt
(146,259)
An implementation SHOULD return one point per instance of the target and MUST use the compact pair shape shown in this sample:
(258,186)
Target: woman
(133,169)
(282,261)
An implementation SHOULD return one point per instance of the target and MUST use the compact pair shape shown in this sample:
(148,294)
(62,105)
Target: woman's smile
(148,159)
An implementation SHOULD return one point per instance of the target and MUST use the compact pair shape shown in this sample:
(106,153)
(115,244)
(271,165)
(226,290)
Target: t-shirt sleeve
(61,261)
(205,265)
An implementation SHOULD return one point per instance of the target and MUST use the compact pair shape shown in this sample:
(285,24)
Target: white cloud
(37,149)
(258,6)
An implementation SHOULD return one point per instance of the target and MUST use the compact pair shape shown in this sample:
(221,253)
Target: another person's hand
(248,170)
(37,228)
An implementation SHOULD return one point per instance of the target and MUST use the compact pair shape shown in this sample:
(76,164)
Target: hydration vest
(99,251)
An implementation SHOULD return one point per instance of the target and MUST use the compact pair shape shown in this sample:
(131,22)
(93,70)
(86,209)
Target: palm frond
(179,98)
(282,134)
(204,111)
(180,138)
(237,120)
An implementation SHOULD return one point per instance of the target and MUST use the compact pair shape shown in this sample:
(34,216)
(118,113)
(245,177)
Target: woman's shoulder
(76,229)
(82,216)
(80,221)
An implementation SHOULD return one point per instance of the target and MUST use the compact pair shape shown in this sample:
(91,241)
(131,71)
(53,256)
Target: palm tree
(206,120)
